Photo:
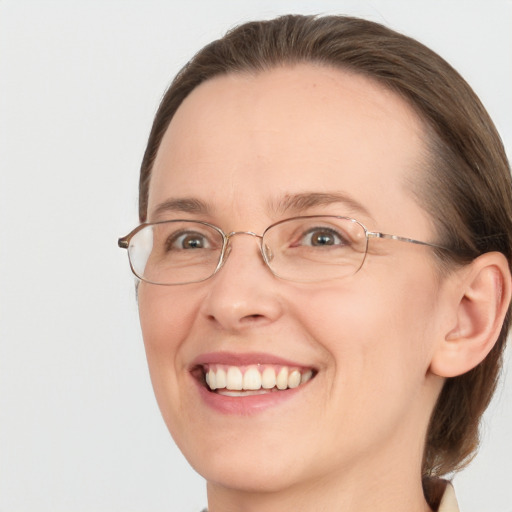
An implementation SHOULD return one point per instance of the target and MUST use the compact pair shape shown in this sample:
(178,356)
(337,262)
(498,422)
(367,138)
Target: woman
(324,255)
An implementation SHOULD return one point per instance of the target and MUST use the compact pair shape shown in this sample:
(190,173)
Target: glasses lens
(175,252)
(315,248)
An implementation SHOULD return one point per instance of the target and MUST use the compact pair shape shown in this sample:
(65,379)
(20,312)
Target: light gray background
(79,84)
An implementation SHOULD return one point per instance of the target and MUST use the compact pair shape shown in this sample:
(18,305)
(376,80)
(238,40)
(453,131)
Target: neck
(320,497)
(391,487)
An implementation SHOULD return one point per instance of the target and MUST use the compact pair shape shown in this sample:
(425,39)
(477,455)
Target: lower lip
(245,405)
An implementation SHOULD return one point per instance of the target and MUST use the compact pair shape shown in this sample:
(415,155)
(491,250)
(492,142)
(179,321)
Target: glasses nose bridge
(232,234)
(250,233)
(229,236)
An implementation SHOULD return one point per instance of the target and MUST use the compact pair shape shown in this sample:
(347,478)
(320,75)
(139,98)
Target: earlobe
(480,303)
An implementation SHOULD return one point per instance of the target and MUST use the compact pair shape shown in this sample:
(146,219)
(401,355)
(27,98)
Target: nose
(244,293)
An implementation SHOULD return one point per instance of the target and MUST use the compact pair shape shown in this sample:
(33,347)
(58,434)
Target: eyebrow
(182,205)
(297,203)
(291,204)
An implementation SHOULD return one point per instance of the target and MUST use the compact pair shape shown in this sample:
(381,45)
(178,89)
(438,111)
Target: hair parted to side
(466,186)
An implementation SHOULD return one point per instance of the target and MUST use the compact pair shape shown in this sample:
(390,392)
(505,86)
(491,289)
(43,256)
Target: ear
(479,303)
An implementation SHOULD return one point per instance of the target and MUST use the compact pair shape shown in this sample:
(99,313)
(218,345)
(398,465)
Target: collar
(449,501)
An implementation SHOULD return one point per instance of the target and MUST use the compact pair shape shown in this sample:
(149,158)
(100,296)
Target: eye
(187,240)
(322,237)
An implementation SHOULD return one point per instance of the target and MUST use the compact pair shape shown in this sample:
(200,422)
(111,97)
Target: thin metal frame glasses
(302,249)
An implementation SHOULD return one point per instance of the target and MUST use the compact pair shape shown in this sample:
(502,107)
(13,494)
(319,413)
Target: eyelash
(175,237)
(339,239)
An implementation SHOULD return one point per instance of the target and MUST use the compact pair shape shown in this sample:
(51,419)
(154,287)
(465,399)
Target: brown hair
(467,188)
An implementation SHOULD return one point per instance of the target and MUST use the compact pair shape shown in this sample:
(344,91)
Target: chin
(246,461)
(250,476)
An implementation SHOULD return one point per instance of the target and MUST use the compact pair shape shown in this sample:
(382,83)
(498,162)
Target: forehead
(242,141)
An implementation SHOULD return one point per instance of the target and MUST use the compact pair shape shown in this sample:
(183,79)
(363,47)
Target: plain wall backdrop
(79,84)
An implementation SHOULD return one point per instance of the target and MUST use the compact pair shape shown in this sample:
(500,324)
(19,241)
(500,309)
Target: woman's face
(252,150)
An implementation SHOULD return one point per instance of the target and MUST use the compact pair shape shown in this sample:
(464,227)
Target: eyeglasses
(301,249)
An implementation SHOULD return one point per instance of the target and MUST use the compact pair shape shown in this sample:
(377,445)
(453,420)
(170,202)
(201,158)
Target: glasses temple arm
(374,234)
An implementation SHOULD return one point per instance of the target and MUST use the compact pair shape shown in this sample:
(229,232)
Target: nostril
(252,318)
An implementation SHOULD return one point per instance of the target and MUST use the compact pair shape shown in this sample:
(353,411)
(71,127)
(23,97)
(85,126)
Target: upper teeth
(255,377)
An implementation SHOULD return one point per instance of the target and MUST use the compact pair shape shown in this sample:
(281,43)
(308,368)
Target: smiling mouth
(256,379)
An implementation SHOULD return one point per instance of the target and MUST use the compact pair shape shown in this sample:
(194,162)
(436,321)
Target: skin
(353,438)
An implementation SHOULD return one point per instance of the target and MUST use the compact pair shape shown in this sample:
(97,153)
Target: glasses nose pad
(267,253)
(225,254)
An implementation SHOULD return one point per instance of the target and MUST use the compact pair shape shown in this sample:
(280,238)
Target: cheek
(379,334)
(166,317)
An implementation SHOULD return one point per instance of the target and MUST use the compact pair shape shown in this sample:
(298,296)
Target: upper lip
(244,359)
